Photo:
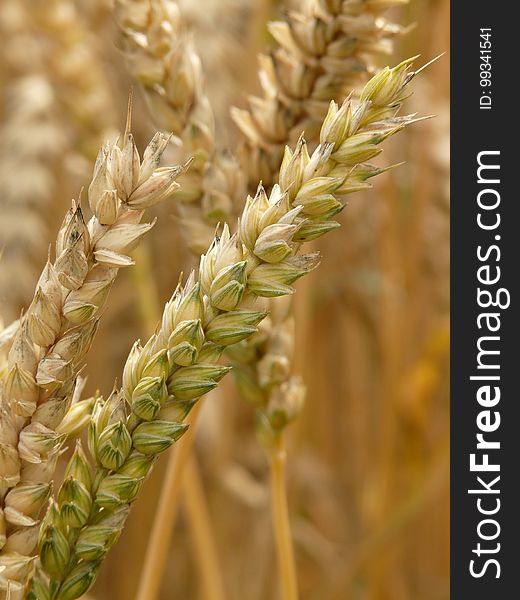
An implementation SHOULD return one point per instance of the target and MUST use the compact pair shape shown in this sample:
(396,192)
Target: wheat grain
(163,379)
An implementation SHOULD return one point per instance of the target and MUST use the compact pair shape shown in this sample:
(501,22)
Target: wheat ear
(164,379)
(323,51)
(161,57)
(56,332)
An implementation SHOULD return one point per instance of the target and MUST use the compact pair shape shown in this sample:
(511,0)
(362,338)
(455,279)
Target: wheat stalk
(164,379)
(55,334)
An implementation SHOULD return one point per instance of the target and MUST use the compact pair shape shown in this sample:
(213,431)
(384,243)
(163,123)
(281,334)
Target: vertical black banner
(485,251)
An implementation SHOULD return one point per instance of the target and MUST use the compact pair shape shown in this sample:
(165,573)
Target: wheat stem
(281,523)
(200,524)
(159,541)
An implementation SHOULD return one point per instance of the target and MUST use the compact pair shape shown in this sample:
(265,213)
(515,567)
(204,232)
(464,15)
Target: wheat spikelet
(163,379)
(55,334)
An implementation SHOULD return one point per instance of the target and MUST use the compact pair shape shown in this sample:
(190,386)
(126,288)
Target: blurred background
(368,470)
